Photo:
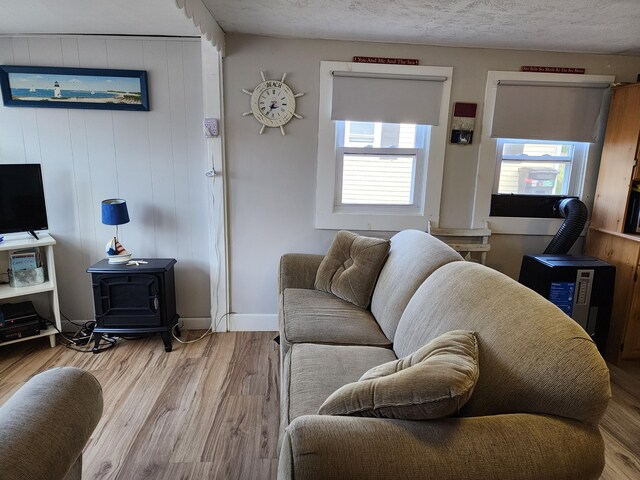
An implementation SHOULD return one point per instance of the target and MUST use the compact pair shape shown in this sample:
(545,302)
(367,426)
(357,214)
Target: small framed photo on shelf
(87,88)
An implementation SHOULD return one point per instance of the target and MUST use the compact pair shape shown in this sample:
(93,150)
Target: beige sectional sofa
(534,413)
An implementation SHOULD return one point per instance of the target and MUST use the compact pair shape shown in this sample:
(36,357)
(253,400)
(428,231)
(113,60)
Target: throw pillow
(351,267)
(433,382)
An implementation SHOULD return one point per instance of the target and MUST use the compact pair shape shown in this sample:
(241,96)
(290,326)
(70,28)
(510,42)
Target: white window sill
(378,222)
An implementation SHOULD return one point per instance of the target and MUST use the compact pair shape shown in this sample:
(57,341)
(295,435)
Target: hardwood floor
(209,410)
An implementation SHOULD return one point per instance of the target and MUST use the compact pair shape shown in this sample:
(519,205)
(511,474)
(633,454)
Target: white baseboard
(195,323)
(253,322)
(238,322)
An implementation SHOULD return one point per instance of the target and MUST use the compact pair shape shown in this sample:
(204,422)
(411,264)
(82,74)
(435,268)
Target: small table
(135,300)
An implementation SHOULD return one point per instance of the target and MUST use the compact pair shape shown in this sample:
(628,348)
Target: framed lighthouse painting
(58,87)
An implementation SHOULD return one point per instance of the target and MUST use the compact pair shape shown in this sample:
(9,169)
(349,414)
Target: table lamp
(114,212)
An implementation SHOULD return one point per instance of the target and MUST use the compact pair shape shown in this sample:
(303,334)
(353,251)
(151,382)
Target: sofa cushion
(433,382)
(312,372)
(413,256)
(534,358)
(318,317)
(351,267)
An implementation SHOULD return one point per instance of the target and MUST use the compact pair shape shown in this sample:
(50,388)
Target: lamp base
(119,258)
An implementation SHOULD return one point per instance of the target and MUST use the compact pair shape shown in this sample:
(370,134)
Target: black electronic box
(19,320)
(582,287)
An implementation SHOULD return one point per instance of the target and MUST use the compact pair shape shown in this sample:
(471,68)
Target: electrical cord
(72,322)
(208,331)
(71,342)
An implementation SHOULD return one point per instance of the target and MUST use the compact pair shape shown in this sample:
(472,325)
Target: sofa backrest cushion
(351,267)
(533,358)
(413,256)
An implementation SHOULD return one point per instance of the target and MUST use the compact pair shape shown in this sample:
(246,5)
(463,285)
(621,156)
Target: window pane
(377,179)
(534,178)
(378,135)
(555,150)
(359,134)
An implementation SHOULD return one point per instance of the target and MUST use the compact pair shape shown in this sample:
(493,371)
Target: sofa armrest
(511,447)
(45,425)
(298,270)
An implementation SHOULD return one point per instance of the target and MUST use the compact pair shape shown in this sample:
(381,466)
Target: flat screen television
(22,206)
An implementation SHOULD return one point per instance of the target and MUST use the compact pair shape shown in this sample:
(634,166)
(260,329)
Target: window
(538,167)
(381,141)
(379,163)
(536,147)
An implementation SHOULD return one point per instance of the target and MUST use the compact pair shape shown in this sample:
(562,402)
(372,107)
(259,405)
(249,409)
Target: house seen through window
(379,163)
(529,167)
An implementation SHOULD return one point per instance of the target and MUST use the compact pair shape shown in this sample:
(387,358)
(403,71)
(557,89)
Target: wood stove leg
(166,339)
(96,345)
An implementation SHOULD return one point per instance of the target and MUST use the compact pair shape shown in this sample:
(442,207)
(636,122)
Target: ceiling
(594,26)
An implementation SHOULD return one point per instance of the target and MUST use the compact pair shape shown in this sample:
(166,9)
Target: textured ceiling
(110,17)
(594,26)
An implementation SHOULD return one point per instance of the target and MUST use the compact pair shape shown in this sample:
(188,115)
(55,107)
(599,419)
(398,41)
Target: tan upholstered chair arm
(45,425)
(509,447)
(298,270)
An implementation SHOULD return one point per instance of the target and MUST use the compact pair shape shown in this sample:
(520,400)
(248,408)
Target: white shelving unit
(46,243)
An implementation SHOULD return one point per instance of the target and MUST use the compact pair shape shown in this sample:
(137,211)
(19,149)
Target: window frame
(487,160)
(419,152)
(330,214)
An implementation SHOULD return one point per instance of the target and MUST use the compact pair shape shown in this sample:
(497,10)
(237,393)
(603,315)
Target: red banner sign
(532,68)
(388,61)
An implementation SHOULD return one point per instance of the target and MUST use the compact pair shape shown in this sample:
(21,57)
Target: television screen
(22,207)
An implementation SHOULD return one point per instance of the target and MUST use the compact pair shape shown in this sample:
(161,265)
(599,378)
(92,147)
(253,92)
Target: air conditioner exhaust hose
(575,217)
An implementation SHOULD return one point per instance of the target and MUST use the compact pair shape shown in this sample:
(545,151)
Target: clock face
(273,103)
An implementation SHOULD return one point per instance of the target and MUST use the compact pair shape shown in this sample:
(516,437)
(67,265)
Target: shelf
(629,236)
(15,241)
(7,291)
(43,333)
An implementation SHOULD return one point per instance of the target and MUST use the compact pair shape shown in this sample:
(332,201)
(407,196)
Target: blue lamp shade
(114,211)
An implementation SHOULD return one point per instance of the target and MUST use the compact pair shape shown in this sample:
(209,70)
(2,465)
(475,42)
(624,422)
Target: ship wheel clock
(273,103)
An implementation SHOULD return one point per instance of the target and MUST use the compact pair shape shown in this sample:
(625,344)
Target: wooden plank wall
(155,160)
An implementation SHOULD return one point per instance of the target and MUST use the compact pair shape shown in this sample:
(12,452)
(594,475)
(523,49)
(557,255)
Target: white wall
(272,178)
(155,160)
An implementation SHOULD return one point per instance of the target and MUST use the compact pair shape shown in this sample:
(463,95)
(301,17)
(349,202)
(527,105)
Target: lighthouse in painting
(56,90)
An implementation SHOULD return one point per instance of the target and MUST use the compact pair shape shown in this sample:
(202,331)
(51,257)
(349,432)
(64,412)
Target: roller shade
(387,98)
(549,111)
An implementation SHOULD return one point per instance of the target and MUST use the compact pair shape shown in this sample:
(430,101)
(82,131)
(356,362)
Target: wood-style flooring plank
(619,462)
(205,411)
(622,420)
(161,429)
(620,425)
(210,409)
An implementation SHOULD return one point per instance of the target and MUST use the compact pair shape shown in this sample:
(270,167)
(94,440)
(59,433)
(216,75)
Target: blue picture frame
(62,87)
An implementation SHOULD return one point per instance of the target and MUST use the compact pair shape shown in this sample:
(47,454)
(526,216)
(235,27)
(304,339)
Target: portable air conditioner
(582,287)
